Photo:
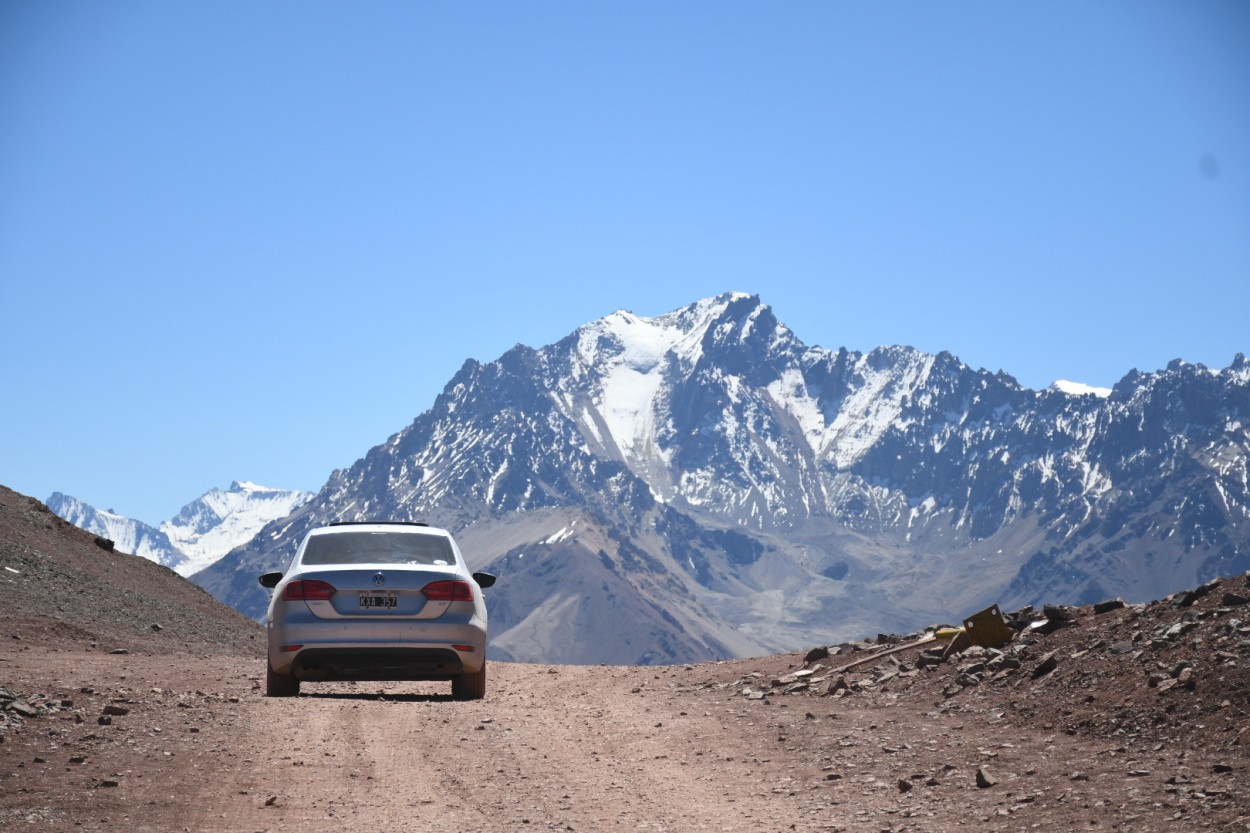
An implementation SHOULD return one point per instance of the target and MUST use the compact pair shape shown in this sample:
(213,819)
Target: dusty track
(561,748)
(567,748)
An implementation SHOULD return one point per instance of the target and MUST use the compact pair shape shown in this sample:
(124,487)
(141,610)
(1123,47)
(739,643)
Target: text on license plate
(379,600)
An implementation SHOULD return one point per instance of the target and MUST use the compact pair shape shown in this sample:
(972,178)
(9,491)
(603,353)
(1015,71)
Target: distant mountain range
(205,529)
(702,484)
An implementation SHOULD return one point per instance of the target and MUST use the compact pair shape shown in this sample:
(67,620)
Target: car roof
(379,526)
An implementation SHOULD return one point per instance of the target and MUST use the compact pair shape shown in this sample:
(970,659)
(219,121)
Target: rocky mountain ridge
(702,484)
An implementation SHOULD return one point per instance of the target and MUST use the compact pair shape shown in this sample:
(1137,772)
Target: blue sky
(252,240)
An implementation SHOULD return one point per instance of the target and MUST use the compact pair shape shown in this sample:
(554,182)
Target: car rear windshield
(378,548)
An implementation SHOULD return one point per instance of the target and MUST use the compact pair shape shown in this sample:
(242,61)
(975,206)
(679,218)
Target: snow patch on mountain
(630,384)
(1080,389)
(625,360)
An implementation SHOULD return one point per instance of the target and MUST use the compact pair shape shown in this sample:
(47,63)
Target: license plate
(379,601)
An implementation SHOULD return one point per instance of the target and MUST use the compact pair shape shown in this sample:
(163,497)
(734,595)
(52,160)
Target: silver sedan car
(377,601)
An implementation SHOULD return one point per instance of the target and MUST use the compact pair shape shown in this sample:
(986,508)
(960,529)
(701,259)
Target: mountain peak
(218,521)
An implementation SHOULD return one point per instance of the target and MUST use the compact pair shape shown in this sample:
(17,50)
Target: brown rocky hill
(63,587)
(1102,717)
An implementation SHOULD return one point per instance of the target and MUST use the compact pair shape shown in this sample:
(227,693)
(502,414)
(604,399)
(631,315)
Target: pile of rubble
(1108,648)
(15,710)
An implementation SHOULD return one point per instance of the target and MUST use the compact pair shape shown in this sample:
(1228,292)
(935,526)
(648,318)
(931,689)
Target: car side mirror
(484,580)
(270,580)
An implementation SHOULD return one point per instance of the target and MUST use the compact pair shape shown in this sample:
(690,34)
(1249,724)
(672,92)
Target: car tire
(469,686)
(280,685)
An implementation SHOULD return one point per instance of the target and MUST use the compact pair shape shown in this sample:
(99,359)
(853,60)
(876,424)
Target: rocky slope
(62,585)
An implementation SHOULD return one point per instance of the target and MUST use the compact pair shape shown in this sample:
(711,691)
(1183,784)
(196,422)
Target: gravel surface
(1115,718)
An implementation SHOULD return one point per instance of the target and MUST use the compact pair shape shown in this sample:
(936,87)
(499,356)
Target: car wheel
(469,686)
(280,685)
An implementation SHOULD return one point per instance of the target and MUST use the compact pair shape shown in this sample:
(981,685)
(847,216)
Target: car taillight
(448,591)
(308,590)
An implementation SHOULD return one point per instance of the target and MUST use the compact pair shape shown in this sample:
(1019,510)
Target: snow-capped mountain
(702,484)
(208,528)
(203,531)
(127,534)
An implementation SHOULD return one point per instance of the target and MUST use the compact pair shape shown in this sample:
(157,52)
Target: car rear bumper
(413,652)
(319,664)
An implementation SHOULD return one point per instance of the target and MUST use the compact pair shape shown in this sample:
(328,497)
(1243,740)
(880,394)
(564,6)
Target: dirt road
(195,747)
(564,748)
(553,748)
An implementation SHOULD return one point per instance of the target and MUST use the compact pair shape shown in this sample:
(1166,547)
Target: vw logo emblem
(379,579)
